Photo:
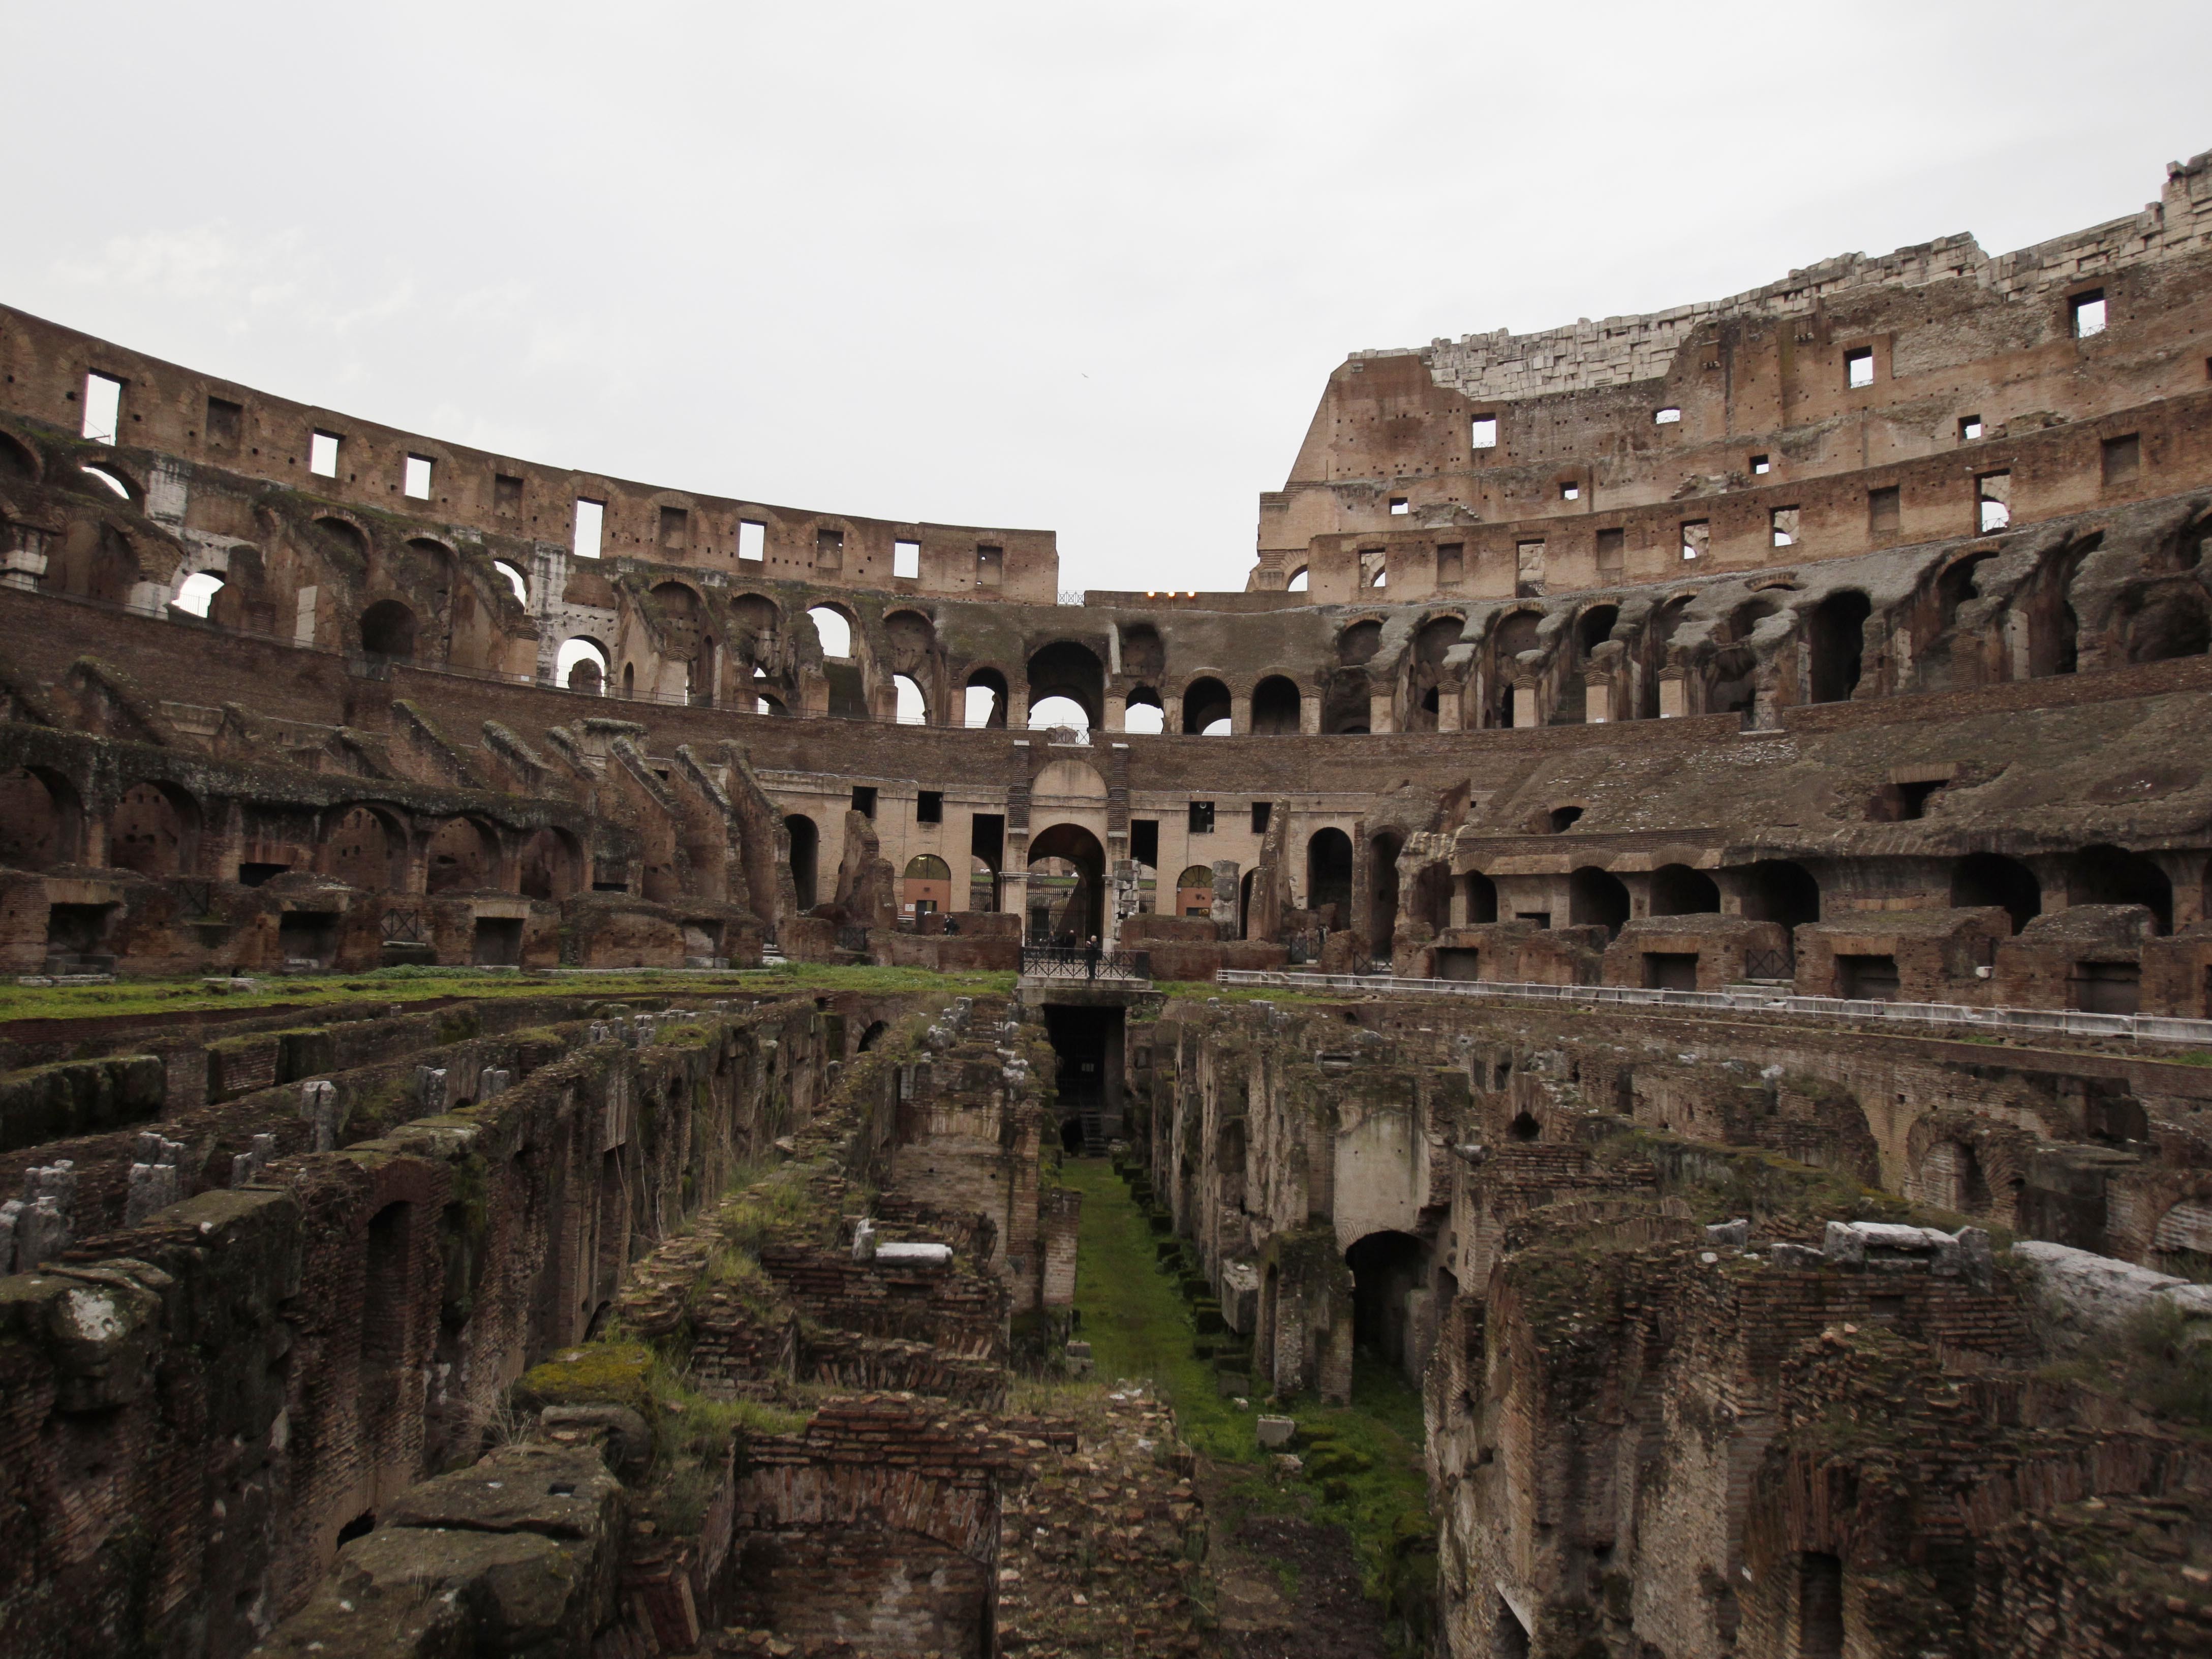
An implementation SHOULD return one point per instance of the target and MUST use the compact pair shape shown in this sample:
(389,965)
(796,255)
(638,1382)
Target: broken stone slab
(153,1187)
(864,1240)
(1276,1432)
(318,1104)
(561,1492)
(428,1593)
(2084,1301)
(624,1443)
(430,1088)
(1786,1254)
(1736,1232)
(914,1255)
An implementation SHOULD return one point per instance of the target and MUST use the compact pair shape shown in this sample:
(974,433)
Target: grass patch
(1362,1461)
(383,987)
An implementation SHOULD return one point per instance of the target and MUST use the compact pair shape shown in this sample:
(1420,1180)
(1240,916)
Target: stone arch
(1357,643)
(1836,637)
(343,538)
(834,625)
(154,830)
(580,664)
(2054,628)
(1067,669)
(1328,874)
(42,819)
(18,460)
(1206,707)
(1194,890)
(1514,632)
(1991,879)
(2105,874)
(96,562)
(364,847)
(1478,894)
(1780,890)
(2171,620)
(550,865)
(1383,903)
(926,884)
(1956,585)
(462,856)
(1081,849)
(1677,890)
(388,631)
(804,859)
(1275,707)
(1386,1267)
(1597,898)
(2181,1243)
(990,680)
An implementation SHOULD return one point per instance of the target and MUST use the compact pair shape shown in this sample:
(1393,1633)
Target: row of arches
(158,829)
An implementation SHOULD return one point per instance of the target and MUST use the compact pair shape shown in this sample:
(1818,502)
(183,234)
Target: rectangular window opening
(675,528)
(1400,507)
(323,455)
(1697,537)
(591,521)
(1452,563)
(103,407)
(1670,416)
(1374,568)
(2088,311)
(1882,509)
(1571,492)
(1145,841)
(864,799)
(1858,368)
(990,567)
(225,421)
(906,558)
(1260,810)
(929,807)
(415,478)
(1760,466)
(829,550)
(505,495)
(1485,432)
(2122,458)
(752,540)
(1528,569)
(1783,522)
(1970,428)
(1202,817)
(1992,502)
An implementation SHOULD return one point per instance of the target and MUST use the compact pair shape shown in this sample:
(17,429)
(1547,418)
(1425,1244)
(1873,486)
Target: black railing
(1305,947)
(1078,961)
(403,927)
(1769,964)
(853,938)
(197,898)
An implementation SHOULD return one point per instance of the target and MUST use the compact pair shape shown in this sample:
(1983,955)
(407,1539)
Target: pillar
(1597,699)
(1117,712)
(1240,714)
(1525,699)
(1450,707)
(1674,694)
(1382,712)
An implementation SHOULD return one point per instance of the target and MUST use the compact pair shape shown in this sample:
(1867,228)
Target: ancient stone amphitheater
(558,1024)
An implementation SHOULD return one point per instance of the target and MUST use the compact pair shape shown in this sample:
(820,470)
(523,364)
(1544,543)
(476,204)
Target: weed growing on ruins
(1362,1469)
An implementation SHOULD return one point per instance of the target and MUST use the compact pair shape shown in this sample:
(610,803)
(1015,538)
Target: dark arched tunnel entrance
(1386,1267)
(1086,1040)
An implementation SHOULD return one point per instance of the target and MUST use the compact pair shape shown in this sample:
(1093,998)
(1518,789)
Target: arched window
(1991,879)
(582,666)
(1597,898)
(1837,635)
(387,630)
(1145,716)
(1194,891)
(512,575)
(1329,876)
(834,630)
(1066,669)
(927,886)
(1275,707)
(1298,582)
(197,592)
(985,699)
(1205,708)
(913,710)
(805,846)
(2105,874)
(1049,713)
(1679,890)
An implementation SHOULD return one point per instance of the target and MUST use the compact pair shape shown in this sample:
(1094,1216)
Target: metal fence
(1074,962)
(1769,964)
(2060,1021)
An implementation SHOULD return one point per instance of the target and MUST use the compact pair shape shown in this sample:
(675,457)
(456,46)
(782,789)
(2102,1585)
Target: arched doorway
(40,819)
(1086,907)
(361,850)
(925,887)
(1386,1267)
(1383,912)
(1275,707)
(1328,876)
(1065,669)
(1778,890)
(1597,898)
(1205,708)
(1836,635)
(1193,894)
(805,852)
(1480,896)
(387,630)
(1679,890)
(462,858)
(2104,874)
(548,866)
(1992,879)
(154,830)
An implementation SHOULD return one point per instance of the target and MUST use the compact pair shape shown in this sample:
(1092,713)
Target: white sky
(1076,267)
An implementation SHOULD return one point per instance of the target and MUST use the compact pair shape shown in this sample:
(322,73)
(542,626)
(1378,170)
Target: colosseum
(1611,1061)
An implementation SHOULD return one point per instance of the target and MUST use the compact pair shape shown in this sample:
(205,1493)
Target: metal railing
(853,938)
(1077,962)
(2057,1022)
(1769,964)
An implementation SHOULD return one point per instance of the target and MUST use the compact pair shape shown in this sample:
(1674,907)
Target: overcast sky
(1076,267)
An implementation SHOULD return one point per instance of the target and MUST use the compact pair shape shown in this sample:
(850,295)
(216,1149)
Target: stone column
(1526,699)
(1117,712)
(1382,712)
(1451,706)
(1240,715)
(1309,714)
(1597,699)
(1674,694)
(1224,893)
